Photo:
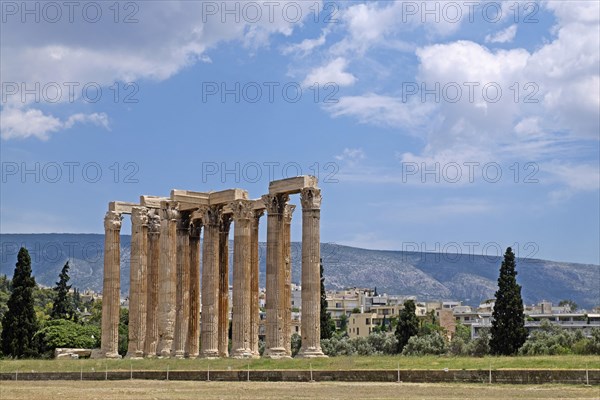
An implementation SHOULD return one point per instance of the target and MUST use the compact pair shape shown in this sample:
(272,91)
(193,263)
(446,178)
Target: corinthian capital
(170,210)
(287,212)
(310,198)
(153,222)
(242,209)
(112,221)
(139,216)
(275,203)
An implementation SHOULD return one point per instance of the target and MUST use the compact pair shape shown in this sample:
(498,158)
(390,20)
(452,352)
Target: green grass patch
(332,363)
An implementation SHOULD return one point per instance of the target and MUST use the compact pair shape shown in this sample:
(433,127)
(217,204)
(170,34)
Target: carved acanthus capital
(242,209)
(112,221)
(154,222)
(310,198)
(211,215)
(170,211)
(139,216)
(275,203)
(287,213)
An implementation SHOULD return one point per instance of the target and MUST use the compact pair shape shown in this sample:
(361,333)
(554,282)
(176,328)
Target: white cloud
(18,123)
(306,46)
(333,72)
(381,110)
(504,36)
(351,156)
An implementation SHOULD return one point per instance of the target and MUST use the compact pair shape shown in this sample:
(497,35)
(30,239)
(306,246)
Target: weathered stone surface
(243,216)
(193,340)
(111,285)
(286,299)
(70,352)
(310,198)
(167,278)
(292,185)
(209,320)
(223,336)
(254,288)
(227,196)
(182,300)
(121,207)
(138,276)
(153,261)
(274,324)
(152,201)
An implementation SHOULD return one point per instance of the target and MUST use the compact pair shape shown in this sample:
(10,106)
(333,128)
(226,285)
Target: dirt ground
(171,390)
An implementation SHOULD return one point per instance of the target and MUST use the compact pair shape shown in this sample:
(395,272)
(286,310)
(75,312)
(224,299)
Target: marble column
(254,286)
(138,279)
(167,278)
(183,286)
(153,258)
(242,217)
(310,198)
(287,278)
(274,332)
(111,302)
(193,340)
(224,285)
(209,321)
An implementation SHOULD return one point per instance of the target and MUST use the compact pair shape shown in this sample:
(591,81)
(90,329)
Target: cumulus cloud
(20,123)
(504,36)
(333,72)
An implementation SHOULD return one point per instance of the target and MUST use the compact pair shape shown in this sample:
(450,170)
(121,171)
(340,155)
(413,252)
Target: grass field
(76,390)
(333,363)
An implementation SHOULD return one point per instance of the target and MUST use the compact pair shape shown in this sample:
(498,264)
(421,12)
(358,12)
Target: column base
(242,353)
(311,352)
(135,355)
(179,355)
(151,355)
(276,353)
(210,354)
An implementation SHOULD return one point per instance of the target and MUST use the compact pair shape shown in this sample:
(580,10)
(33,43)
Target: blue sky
(446,126)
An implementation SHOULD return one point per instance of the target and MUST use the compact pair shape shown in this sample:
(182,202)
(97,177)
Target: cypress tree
(508,321)
(327,324)
(63,304)
(408,324)
(19,323)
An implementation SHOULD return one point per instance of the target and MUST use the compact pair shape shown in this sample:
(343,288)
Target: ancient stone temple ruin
(173,307)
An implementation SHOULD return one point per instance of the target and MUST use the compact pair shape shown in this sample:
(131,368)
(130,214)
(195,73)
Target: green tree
(408,324)
(63,304)
(19,322)
(572,306)
(327,324)
(508,321)
(343,323)
(65,333)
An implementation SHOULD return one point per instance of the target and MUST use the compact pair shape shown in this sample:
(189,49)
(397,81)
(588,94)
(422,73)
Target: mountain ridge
(470,278)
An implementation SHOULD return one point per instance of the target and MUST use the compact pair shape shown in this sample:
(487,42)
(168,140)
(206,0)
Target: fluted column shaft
(138,282)
(111,285)
(286,299)
(183,286)
(224,285)
(153,258)
(254,284)
(209,321)
(167,292)
(193,340)
(310,199)
(274,333)
(242,216)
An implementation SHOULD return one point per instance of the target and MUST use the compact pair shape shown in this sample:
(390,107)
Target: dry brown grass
(142,390)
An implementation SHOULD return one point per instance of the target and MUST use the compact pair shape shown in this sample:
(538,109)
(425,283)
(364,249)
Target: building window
(357,331)
(368,321)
